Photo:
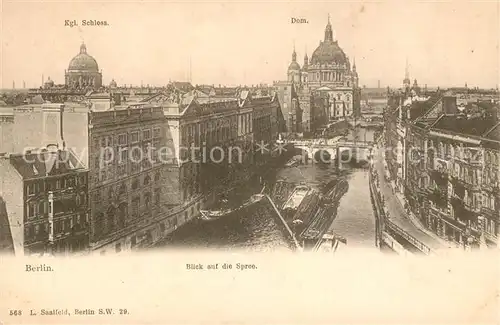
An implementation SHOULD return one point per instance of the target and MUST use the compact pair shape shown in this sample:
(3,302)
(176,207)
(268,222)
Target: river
(258,229)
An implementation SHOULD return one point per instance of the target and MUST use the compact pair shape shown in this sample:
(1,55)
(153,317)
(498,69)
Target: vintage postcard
(216,162)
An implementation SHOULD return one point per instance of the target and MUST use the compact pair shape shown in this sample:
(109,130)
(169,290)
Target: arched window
(135,184)
(122,214)
(147,180)
(99,221)
(41,208)
(110,219)
(147,200)
(157,176)
(83,198)
(122,190)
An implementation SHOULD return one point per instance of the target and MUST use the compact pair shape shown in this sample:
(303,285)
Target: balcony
(475,187)
(487,211)
(470,207)
(438,196)
(491,237)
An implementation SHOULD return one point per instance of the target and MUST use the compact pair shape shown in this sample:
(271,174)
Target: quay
(392,221)
(290,233)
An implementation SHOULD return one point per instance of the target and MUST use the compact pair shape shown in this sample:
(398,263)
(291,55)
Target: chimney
(52,125)
(450,105)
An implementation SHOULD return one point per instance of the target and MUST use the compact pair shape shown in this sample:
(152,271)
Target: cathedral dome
(83,61)
(328,52)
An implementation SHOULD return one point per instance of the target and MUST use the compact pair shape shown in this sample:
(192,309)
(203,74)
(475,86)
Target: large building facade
(144,161)
(328,74)
(444,158)
(44,191)
(131,184)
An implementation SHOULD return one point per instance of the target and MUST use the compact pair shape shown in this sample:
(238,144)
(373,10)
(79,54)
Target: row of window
(444,150)
(492,158)
(122,188)
(147,151)
(43,207)
(122,170)
(60,226)
(41,186)
(127,138)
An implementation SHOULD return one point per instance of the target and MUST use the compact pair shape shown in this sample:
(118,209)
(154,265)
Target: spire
(406,81)
(328,31)
(407,70)
(83,48)
(294,54)
(354,64)
(306,58)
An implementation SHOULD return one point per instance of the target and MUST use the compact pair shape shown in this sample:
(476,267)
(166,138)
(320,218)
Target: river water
(258,229)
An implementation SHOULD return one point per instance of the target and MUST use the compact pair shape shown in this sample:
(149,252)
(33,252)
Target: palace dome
(83,61)
(328,52)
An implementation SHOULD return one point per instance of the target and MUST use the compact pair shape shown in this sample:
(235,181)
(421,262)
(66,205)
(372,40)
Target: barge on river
(310,213)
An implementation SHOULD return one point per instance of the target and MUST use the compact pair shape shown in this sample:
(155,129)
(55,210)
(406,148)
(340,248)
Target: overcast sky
(250,42)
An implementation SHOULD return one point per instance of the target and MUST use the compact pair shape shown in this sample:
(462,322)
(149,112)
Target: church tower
(406,81)
(294,69)
(354,74)
(304,68)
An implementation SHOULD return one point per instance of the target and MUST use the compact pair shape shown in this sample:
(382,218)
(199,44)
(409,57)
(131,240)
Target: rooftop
(42,163)
(460,123)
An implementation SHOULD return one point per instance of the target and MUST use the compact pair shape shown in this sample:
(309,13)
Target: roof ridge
(491,129)
(430,109)
(436,121)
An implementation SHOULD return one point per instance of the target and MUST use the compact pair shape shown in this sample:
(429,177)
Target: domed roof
(328,52)
(294,66)
(83,61)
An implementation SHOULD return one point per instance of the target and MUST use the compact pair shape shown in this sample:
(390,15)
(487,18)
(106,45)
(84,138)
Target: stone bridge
(315,148)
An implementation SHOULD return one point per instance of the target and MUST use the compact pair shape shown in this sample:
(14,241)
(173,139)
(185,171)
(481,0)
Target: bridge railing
(308,143)
(395,228)
(412,240)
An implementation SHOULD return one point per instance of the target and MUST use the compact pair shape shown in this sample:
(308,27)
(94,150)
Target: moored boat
(210,215)
(292,163)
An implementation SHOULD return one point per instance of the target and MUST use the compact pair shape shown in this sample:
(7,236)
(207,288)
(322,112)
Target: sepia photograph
(286,138)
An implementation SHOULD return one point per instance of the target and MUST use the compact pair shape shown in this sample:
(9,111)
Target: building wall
(128,191)
(28,132)
(6,243)
(6,133)
(69,214)
(11,190)
(262,127)
(490,209)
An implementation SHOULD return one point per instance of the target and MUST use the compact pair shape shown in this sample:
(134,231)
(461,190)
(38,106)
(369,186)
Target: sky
(231,43)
